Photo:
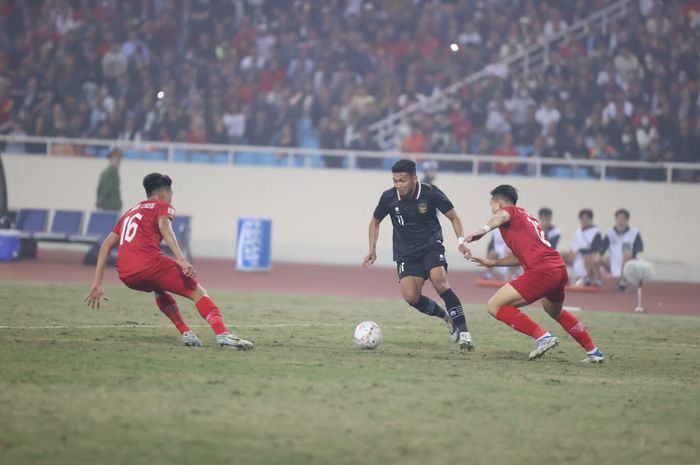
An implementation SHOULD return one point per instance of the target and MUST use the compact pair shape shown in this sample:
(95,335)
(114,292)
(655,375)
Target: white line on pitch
(132,326)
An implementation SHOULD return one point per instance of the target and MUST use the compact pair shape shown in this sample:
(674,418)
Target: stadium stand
(312,74)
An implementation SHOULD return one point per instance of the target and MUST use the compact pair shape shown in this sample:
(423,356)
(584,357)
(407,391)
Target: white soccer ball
(637,271)
(368,335)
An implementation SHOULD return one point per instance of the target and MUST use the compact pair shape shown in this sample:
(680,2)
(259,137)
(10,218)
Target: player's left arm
(165,225)
(459,231)
(96,292)
(501,217)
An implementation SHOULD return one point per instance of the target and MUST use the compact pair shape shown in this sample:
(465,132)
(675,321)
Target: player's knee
(492,306)
(411,298)
(198,293)
(441,286)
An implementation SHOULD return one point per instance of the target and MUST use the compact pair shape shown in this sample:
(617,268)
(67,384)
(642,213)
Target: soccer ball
(368,335)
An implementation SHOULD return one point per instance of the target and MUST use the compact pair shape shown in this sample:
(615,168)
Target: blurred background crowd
(313,73)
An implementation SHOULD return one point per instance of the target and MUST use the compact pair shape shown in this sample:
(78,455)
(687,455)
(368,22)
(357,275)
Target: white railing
(524,62)
(243,155)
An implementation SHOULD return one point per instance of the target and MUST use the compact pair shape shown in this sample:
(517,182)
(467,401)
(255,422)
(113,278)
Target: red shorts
(535,284)
(165,275)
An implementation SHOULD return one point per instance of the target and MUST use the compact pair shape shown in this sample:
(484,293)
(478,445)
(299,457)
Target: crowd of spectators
(311,73)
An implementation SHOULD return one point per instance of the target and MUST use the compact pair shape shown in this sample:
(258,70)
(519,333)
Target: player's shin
(167,304)
(210,312)
(520,322)
(454,308)
(429,307)
(574,327)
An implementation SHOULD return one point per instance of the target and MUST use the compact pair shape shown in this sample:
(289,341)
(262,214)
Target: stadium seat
(99,225)
(257,159)
(31,221)
(561,172)
(132,155)
(65,222)
(155,155)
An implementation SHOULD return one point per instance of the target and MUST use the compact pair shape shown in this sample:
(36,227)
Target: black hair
(404,166)
(623,211)
(506,192)
(154,181)
(585,212)
(545,211)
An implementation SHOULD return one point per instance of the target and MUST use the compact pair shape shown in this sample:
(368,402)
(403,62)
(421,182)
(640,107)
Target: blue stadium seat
(581,173)
(155,155)
(258,159)
(99,225)
(31,221)
(132,155)
(561,172)
(65,222)
(387,163)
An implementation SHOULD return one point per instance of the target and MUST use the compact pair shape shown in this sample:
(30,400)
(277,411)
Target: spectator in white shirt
(548,114)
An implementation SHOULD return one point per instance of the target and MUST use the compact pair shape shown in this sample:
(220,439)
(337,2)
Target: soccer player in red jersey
(143,267)
(544,278)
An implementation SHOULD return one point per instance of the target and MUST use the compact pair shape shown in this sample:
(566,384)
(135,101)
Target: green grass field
(306,395)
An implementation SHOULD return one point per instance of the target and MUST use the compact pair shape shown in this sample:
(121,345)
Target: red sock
(168,306)
(520,322)
(576,330)
(209,311)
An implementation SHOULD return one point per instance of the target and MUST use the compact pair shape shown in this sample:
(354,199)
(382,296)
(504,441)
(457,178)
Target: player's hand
(487,262)
(369,259)
(187,268)
(475,236)
(94,296)
(464,250)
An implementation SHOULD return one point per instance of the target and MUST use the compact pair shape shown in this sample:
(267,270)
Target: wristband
(460,240)
(486,228)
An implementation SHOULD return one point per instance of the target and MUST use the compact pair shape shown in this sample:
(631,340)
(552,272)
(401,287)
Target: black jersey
(416,225)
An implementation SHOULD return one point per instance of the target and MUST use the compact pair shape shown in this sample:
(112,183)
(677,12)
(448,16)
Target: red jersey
(526,239)
(139,236)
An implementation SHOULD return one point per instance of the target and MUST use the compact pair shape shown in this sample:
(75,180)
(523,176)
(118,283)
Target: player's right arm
(96,291)
(373,236)
(501,217)
(381,210)
(165,225)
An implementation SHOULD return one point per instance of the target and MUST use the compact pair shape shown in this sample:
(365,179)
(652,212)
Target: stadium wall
(321,216)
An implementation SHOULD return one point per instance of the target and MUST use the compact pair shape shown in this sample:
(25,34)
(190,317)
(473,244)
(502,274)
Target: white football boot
(232,340)
(543,345)
(465,341)
(594,357)
(451,328)
(190,339)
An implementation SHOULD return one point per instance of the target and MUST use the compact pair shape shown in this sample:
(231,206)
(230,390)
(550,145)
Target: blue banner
(254,243)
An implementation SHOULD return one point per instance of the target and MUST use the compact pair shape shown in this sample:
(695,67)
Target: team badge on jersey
(423,207)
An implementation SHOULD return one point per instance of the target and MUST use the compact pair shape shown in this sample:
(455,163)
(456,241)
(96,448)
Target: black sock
(454,308)
(429,307)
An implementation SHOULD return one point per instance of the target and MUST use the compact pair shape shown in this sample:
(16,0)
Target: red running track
(302,279)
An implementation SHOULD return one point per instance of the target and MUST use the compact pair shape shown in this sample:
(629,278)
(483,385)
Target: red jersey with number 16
(528,242)
(139,236)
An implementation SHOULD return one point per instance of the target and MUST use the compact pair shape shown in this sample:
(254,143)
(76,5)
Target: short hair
(585,212)
(545,211)
(404,166)
(154,181)
(623,211)
(506,192)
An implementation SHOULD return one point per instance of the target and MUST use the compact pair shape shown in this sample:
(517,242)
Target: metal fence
(290,157)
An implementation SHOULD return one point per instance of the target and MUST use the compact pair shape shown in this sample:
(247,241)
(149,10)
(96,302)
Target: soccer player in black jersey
(419,252)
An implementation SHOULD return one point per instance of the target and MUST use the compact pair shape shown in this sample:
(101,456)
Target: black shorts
(421,267)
